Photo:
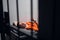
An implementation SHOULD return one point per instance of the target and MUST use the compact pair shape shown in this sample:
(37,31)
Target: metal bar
(2,28)
(17,18)
(38,19)
(9,19)
(31,18)
(38,15)
(8,9)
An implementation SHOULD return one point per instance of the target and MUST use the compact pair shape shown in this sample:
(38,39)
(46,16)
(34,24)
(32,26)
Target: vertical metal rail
(38,18)
(38,15)
(3,19)
(9,19)
(18,19)
(31,18)
(8,9)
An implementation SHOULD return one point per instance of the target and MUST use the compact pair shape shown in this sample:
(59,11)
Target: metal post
(31,18)
(18,19)
(9,19)
(38,19)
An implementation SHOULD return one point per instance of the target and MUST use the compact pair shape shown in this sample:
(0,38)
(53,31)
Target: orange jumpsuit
(34,26)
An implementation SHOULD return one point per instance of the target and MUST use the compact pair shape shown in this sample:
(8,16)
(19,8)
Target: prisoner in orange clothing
(33,26)
(29,25)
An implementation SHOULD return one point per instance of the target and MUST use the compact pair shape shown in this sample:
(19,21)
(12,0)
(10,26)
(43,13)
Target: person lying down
(28,25)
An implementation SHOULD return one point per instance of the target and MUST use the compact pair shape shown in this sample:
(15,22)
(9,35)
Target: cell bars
(17,6)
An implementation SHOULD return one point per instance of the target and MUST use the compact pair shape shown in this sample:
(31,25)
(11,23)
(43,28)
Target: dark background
(49,14)
(1,16)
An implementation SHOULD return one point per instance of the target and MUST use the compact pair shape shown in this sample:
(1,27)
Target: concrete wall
(35,10)
(12,11)
(24,10)
(5,6)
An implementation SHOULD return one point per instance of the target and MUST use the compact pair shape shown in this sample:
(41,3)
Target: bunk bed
(25,31)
